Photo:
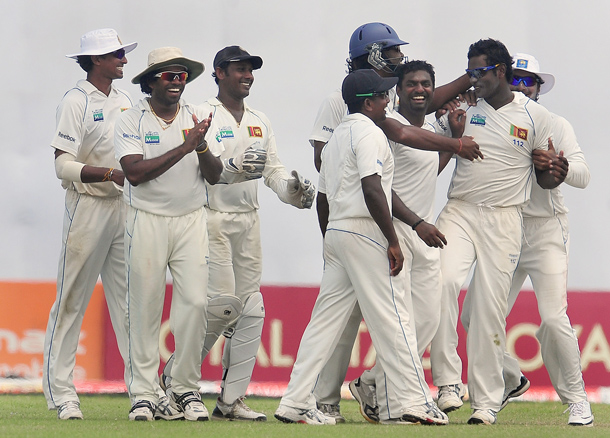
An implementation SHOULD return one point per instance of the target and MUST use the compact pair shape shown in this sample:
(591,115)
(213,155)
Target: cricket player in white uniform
(544,256)
(483,223)
(94,218)
(374,46)
(414,183)
(234,226)
(161,146)
(363,261)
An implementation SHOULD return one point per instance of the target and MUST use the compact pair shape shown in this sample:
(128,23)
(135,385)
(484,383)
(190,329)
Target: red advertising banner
(288,310)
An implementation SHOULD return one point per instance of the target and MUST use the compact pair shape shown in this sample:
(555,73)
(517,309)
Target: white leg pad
(239,355)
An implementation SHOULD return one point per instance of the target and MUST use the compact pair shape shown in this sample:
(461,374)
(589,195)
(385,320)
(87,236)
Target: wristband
(108,175)
(416,224)
(202,144)
(460,149)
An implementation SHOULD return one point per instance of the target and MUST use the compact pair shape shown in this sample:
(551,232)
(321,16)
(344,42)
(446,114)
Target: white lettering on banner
(278,358)
(164,332)
(516,332)
(596,349)
(32,342)
(34,370)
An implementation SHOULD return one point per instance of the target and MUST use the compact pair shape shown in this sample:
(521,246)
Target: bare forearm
(402,212)
(138,171)
(378,208)
(449,91)
(210,166)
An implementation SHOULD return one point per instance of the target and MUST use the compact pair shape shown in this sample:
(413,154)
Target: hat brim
(128,48)
(549,82)
(194,68)
(257,61)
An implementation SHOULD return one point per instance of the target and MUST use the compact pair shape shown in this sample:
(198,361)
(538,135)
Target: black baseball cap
(235,54)
(361,84)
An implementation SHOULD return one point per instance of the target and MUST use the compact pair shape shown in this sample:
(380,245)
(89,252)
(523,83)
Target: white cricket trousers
(544,257)
(92,244)
(491,237)
(152,244)
(236,258)
(356,269)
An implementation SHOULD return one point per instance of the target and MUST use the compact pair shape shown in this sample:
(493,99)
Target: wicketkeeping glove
(251,163)
(302,189)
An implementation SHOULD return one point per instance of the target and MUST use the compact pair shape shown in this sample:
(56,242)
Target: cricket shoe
(190,404)
(365,395)
(428,413)
(483,416)
(287,414)
(69,410)
(142,410)
(165,411)
(238,410)
(580,414)
(450,397)
(524,385)
(331,410)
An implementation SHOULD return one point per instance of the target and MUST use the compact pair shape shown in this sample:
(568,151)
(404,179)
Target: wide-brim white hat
(166,56)
(101,42)
(523,61)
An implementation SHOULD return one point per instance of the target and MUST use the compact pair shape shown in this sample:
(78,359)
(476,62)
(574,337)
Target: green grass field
(106,416)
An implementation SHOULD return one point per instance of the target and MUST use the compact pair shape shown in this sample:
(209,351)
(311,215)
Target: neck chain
(232,113)
(168,122)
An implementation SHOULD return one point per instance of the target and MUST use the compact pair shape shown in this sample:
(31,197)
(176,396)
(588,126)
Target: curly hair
(496,53)
(403,69)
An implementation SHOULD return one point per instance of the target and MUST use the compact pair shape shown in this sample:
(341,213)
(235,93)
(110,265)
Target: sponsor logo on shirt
(65,137)
(98,115)
(521,63)
(151,137)
(478,119)
(255,131)
(133,136)
(225,132)
(326,128)
(518,132)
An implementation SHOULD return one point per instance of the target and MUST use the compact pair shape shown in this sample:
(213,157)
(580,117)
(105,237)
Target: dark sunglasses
(120,54)
(527,81)
(478,73)
(379,94)
(171,76)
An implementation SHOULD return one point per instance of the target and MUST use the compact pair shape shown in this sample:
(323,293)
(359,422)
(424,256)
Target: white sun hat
(523,61)
(101,42)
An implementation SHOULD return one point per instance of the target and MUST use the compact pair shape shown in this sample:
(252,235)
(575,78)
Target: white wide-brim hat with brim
(101,42)
(166,56)
(523,61)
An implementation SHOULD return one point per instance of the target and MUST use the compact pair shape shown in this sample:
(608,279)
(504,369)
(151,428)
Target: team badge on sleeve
(255,131)
(520,133)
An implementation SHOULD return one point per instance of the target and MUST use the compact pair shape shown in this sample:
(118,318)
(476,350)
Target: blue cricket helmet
(366,35)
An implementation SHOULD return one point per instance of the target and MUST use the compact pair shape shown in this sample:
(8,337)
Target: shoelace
(575,409)
(68,405)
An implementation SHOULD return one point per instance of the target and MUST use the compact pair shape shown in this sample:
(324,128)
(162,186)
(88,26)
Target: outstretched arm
(419,138)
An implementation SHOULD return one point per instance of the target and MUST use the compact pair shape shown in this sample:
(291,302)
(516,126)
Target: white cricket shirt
(85,128)
(181,189)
